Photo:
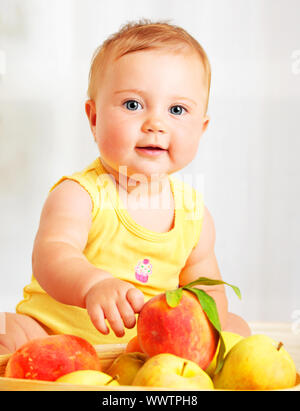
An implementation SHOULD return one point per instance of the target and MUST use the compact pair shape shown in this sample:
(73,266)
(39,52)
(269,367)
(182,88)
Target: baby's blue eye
(177,110)
(132,105)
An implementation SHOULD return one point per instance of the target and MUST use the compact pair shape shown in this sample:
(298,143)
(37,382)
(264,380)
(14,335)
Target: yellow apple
(257,363)
(88,377)
(126,365)
(170,371)
(230,339)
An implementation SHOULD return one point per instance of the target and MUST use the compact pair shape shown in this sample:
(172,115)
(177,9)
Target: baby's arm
(202,262)
(63,271)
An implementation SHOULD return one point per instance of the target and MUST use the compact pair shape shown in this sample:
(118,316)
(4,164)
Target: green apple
(256,363)
(126,365)
(170,371)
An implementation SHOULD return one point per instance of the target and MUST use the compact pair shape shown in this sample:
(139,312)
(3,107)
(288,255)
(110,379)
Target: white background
(249,155)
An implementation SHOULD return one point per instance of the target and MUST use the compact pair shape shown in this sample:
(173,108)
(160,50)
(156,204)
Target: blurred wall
(248,156)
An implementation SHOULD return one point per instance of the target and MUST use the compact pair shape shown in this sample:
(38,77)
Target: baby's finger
(126,313)
(97,317)
(114,318)
(135,298)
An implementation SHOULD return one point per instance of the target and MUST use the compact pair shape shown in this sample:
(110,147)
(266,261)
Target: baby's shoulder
(80,184)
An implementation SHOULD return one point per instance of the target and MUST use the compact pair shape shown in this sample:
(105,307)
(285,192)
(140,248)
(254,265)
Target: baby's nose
(154,125)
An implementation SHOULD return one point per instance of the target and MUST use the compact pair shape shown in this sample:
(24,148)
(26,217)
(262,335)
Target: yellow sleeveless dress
(149,260)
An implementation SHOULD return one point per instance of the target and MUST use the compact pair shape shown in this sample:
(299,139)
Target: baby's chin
(140,169)
(146,170)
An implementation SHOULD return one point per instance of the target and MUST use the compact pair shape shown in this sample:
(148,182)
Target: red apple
(51,357)
(183,330)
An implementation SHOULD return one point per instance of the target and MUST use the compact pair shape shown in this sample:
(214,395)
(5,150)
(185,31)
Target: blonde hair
(143,35)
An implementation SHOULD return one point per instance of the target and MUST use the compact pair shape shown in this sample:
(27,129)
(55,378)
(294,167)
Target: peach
(51,357)
(133,345)
(183,330)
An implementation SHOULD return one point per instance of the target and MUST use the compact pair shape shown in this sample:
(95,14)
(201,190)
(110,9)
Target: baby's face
(150,98)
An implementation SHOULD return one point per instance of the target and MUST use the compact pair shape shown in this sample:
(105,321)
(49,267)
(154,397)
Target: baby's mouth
(151,150)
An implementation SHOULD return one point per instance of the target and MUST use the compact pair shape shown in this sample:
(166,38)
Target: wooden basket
(279,331)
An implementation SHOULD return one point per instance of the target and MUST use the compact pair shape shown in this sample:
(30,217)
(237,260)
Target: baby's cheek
(183,152)
(110,140)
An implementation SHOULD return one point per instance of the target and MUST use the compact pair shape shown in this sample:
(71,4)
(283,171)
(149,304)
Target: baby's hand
(115,300)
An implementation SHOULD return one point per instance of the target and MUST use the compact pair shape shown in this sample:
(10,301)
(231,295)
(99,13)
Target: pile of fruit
(179,345)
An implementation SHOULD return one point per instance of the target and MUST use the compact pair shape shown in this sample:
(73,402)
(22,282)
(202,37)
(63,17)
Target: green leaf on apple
(209,281)
(221,355)
(208,305)
(173,297)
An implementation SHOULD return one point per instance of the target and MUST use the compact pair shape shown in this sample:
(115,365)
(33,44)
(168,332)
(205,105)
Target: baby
(123,230)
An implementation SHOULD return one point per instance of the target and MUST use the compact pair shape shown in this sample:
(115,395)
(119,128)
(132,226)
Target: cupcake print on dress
(142,270)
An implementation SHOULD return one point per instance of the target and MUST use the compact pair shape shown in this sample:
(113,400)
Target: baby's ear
(206,121)
(90,109)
